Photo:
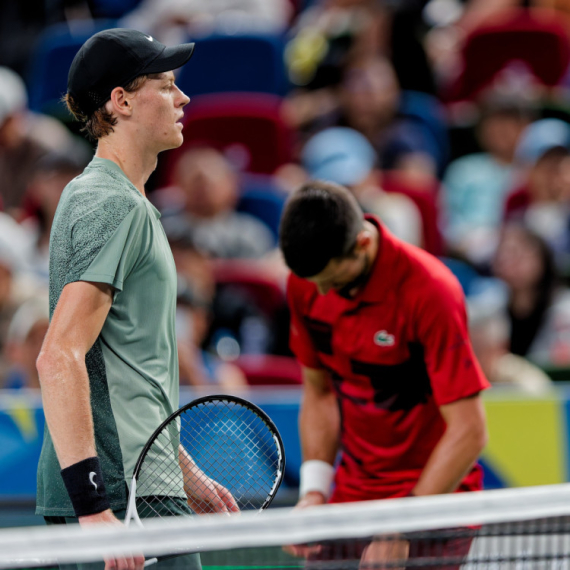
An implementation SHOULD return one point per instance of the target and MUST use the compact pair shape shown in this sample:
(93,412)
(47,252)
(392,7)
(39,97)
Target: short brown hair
(320,222)
(101,122)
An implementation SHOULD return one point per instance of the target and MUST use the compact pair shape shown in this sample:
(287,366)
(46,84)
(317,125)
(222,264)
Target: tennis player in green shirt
(109,367)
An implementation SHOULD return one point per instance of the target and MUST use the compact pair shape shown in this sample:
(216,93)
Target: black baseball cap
(113,58)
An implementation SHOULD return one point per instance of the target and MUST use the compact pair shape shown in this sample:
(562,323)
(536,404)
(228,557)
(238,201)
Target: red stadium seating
(425,200)
(269,370)
(247,127)
(269,296)
(538,39)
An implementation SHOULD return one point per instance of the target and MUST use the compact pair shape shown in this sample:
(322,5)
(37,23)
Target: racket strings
(227,442)
(242,436)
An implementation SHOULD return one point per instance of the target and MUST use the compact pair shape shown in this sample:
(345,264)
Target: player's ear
(120,102)
(363,240)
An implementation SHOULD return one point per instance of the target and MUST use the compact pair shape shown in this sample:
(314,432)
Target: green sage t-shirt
(106,231)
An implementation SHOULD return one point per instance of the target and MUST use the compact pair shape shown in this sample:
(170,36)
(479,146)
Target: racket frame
(132,513)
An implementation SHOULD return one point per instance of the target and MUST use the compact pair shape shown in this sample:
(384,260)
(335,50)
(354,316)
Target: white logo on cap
(149,38)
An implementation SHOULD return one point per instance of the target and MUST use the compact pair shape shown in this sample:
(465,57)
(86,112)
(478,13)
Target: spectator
(17,285)
(543,199)
(204,198)
(237,324)
(538,307)
(489,330)
(24,138)
(475,186)
(170,21)
(345,156)
(25,336)
(52,174)
(328,34)
(454,20)
(200,367)
(369,101)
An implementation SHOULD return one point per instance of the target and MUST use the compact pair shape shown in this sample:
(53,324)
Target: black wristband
(84,483)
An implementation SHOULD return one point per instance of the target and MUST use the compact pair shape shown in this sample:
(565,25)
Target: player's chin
(175,140)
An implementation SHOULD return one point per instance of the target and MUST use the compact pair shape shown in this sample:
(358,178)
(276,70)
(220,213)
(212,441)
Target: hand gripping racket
(216,454)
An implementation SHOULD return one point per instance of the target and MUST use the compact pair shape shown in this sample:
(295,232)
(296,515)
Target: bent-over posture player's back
(390,379)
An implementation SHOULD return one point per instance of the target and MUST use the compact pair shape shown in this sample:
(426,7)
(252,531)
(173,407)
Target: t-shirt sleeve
(105,250)
(299,339)
(441,326)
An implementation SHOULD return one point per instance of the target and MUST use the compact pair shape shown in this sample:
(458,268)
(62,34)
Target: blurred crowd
(448,119)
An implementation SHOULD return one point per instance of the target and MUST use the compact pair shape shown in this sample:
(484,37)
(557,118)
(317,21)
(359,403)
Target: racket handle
(150,562)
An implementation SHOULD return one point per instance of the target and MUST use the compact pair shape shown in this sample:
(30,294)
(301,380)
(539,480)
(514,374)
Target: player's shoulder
(300,291)
(427,278)
(96,196)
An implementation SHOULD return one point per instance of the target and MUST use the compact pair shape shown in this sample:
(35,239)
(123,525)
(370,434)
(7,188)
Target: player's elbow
(51,363)
(45,365)
(477,437)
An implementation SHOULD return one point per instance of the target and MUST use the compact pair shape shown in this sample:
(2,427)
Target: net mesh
(518,529)
(221,440)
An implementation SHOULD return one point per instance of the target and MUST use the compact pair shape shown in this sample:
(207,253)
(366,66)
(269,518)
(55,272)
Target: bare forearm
(67,408)
(319,424)
(450,461)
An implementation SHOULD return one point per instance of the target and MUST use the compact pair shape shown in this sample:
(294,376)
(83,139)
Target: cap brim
(171,58)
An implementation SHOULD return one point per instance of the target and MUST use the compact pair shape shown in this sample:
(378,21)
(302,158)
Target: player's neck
(135,161)
(372,251)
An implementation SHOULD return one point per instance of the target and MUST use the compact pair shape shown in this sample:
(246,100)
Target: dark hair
(549,278)
(523,336)
(320,222)
(100,122)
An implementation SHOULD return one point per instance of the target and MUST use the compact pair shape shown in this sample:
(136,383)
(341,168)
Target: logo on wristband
(92,476)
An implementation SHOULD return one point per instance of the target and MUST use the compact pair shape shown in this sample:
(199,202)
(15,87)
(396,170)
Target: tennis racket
(217,453)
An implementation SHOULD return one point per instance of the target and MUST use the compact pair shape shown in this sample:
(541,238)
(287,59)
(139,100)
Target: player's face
(344,275)
(159,113)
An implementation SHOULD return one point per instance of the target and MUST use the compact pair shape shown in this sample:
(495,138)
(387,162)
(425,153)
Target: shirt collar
(113,167)
(383,266)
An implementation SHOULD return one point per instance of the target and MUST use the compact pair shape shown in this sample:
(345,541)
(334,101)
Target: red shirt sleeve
(299,339)
(441,327)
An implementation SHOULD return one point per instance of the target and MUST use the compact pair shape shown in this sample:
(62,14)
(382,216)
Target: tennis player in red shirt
(390,378)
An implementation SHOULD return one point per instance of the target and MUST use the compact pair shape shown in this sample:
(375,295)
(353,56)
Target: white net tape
(27,546)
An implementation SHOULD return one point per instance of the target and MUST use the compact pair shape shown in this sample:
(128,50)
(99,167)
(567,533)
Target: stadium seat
(425,200)
(247,127)
(50,62)
(532,38)
(267,292)
(269,370)
(464,272)
(265,202)
(426,110)
(230,63)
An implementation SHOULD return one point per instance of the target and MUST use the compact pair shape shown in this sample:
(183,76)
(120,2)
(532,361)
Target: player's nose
(183,99)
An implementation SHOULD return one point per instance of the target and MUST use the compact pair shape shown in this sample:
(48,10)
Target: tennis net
(519,529)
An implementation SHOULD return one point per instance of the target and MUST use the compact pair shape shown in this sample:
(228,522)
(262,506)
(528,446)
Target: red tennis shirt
(395,352)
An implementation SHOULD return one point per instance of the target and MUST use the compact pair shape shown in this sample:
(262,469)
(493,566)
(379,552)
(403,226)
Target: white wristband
(316,475)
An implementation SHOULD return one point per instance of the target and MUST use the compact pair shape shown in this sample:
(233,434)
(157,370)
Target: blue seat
(265,203)
(427,111)
(225,63)
(465,274)
(51,60)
